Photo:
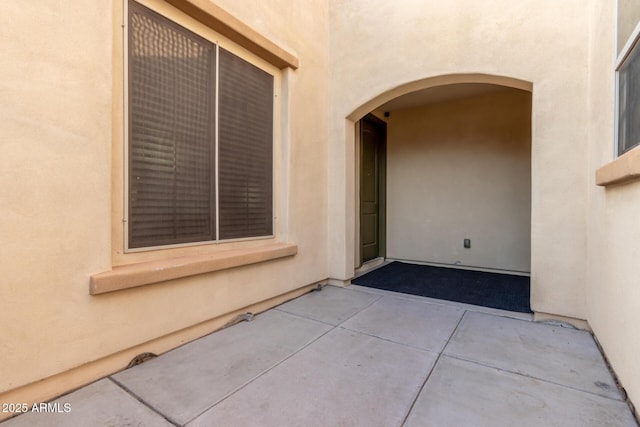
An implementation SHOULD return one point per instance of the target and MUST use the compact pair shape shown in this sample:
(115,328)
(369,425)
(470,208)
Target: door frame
(382,188)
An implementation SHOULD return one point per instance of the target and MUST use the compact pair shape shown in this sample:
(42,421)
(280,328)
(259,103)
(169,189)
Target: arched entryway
(457,174)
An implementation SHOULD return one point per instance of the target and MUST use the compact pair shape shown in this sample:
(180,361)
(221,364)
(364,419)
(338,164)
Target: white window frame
(633,42)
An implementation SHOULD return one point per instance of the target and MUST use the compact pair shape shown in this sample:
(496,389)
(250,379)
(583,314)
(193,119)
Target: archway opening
(458,177)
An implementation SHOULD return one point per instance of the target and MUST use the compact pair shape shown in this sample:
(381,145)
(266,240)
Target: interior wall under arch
(461,169)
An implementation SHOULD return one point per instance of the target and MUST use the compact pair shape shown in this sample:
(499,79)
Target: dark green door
(373,133)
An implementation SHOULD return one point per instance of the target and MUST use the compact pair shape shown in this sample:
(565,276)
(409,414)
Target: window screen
(246,154)
(171,130)
(629,102)
(173,143)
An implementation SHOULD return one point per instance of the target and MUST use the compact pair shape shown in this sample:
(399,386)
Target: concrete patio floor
(362,357)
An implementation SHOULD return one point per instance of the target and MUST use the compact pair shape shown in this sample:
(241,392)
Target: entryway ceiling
(440,94)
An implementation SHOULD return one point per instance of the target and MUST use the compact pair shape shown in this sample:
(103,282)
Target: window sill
(226,24)
(625,168)
(145,273)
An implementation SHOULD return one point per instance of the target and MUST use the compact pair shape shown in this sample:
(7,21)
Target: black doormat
(503,291)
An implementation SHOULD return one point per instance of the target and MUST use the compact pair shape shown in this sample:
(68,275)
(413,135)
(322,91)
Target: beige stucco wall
(60,100)
(613,285)
(461,169)
(542,42)
(60,78)
(628,16)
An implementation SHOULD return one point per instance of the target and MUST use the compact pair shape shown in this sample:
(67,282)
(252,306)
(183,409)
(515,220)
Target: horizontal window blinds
(171,129)
(172,138)
(246,148)
(629,102)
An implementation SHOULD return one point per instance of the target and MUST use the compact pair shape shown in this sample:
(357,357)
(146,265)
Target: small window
(629,100)
(200,138)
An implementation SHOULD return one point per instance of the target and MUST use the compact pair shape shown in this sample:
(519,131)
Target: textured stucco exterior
(502,38)
(61,169)
(61,99)
(613,287)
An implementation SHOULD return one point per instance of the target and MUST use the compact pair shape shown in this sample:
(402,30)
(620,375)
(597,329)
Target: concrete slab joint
(362,357)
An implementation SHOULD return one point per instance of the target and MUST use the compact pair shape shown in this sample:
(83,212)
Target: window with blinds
(246,127)
(177,157)
(629,101)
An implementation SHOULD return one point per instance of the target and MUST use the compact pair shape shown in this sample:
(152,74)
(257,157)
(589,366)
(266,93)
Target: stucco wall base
(618,381)
(369,266)
(547,317)
(64,382)
(339,282)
